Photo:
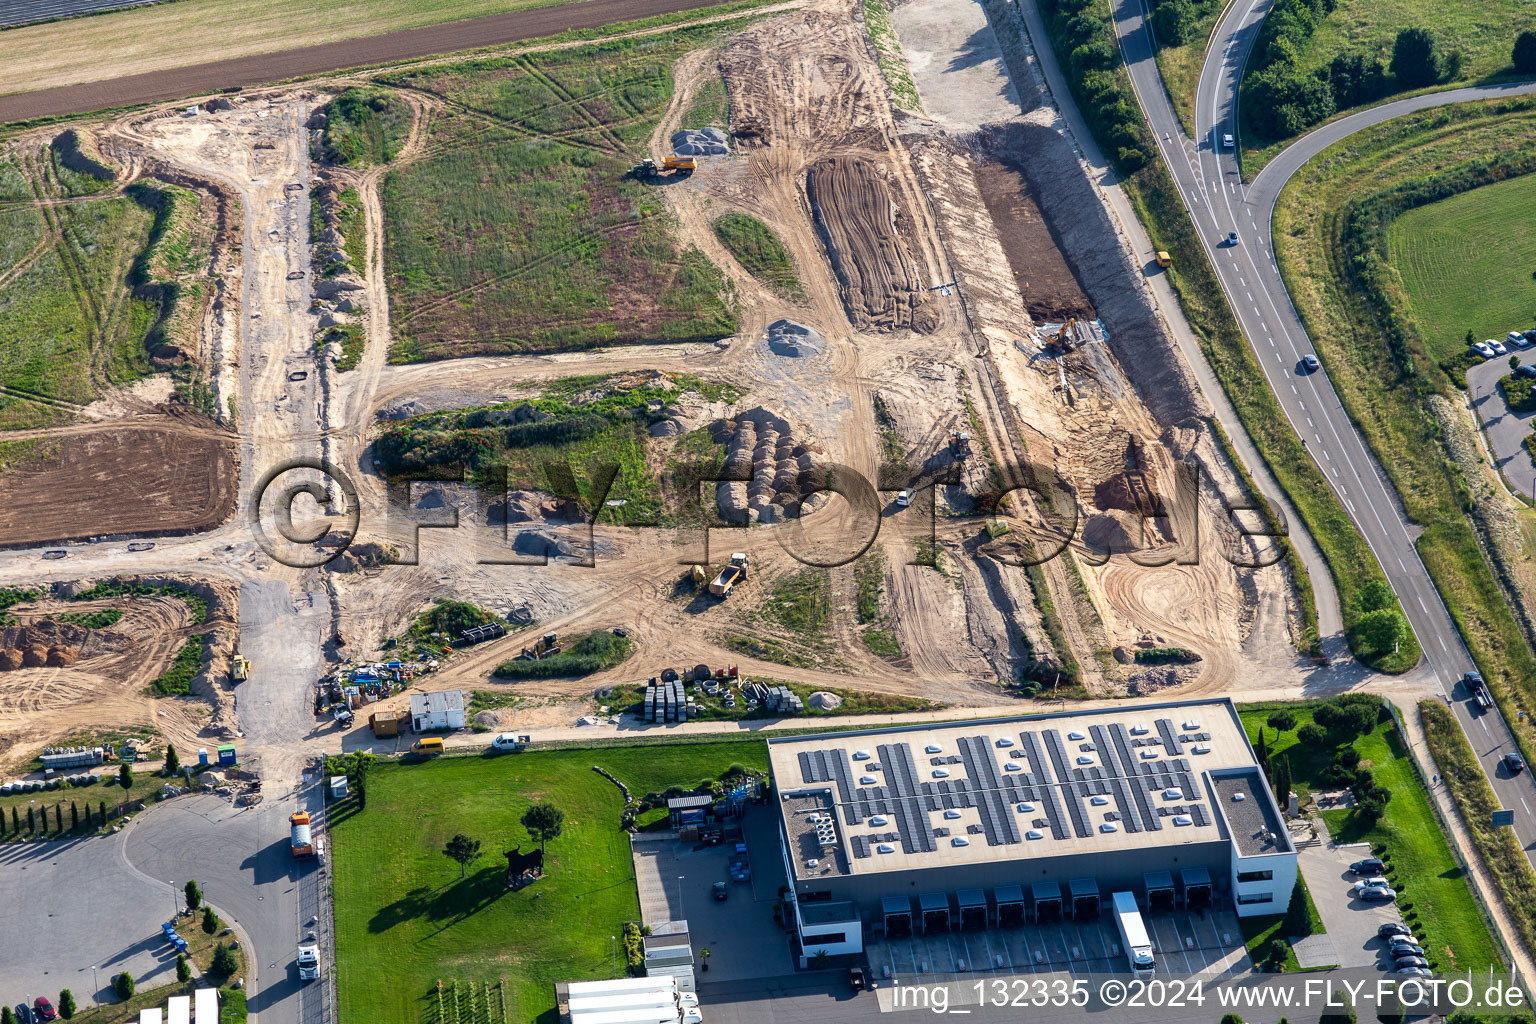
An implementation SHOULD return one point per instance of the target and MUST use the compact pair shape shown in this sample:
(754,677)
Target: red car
(44,1009)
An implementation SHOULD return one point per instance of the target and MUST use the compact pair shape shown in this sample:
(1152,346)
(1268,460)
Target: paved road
(1209,180)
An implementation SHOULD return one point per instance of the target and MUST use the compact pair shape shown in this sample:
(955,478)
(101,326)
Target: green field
(1483,30)
(519,231)
(365,126)
(1430,882)
(400,901)
(1467,264)
(759,251)
(580,423)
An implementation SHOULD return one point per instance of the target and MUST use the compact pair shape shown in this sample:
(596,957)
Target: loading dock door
(1197,888)
(1010,904)
(973,908)
(1159,891)
(1047,896)
(897,911)
(934,907)
(1085,898)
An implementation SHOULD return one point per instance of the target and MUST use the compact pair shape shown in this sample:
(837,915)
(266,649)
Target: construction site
(966,323)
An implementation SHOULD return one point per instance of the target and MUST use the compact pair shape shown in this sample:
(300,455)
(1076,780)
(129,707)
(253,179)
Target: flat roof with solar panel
(1001,789)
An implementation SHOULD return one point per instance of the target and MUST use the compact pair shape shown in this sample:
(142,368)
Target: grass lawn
(1260,932)
(1466,263)
(759,252)
(400,901)
(1432,887)
(1483,30)
(1386,379)
(519,230)
(580,656)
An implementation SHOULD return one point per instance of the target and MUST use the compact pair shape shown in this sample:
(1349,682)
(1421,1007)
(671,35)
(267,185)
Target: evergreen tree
(6,1016)
(67,1004)
(1263,751)
(74,815)
(183,969)
(210,921)
(1283,783)
(1525,53)
(123,986)
(172,760)
(102,808)
(194,896)
(223,963)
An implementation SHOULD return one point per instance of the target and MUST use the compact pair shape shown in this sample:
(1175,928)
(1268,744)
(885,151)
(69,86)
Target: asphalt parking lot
(676,881)
(1350,923)
(1186,944)
(71,906)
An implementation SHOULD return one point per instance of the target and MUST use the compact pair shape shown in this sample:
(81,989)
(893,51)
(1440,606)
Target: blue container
(202,757)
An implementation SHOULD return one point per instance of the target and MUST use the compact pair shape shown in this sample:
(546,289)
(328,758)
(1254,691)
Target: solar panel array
(1050,779)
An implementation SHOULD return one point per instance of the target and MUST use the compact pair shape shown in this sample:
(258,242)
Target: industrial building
(1035,818)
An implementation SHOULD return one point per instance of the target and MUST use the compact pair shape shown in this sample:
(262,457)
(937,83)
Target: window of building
(1264,898)
(808,938)
(1255,876)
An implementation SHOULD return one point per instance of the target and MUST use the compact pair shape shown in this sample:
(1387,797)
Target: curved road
(1210,183)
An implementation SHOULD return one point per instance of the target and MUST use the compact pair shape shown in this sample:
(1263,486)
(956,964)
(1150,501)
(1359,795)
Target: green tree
(1283,783)
(210,921)
(1514,363)
(1282,721)
(194,896)
(1524,56)
(102,807)
(1231,1018)
(15,822)
(1262,751)
(6,1016)
(1275,958)
(67,1004)
(125,776)
(183,969)
(544,821)
(1298,922)
(74,815)
(31,820)
(172,760)
(1381,630)
(1415,64)
(1375,595)
(1339,1010)
(123,986)
(1172,21)
(223,963)
(462,850)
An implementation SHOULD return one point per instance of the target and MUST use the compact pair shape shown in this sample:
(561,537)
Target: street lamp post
(680,897)
(613,941)
(175,907)
(95,988)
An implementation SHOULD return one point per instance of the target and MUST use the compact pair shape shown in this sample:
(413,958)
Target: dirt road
(198,79)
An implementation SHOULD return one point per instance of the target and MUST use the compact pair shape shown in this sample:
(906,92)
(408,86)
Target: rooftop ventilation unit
(959,841)
(940,773)
(885,848)
(1108,828)
(1084,759)
(878,820)
(1172,794)
(1076,736)
(1191,726)
(1183,819)
(861,755)
(1026,808)
(1139,730)
(1099,801)
(1012,766)
(1005,742)
(933,748)
(1238,798)
(867,780)
(1034,834)
(1202,749)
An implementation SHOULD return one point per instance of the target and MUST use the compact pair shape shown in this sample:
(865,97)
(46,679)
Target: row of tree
(1084,36)
(37,817)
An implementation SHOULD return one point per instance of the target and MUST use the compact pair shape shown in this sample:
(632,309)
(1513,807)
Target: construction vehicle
(547,646)
(682,166)
(699,575)
(299,836)
(731,575)
(240,671)
(960,444)
(1062,342)
(1163,259)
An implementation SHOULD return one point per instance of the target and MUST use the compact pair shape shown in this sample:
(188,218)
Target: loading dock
(1197,888)
(934,907)
(897,911)
(1160,891)
(973,909)
(1010,904)
(1085,898)
(1047,897)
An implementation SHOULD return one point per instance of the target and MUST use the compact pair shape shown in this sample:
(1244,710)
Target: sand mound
(700,142)
(824,700)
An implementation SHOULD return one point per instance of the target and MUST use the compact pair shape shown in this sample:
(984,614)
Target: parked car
(856,978)
(1517,339)
(1309,363)
(1529,336)
(721,891)
(1514,762)
(1227,141)
(1231,237)
(1375,893)
(1413,972)
(903,499)
(1371,866)
(1497,346)
(43,1009)
(508,741)
(24,1014)
(1392,928)
(1409,960)
(1528,370)
(1484,349)
(1406,948)
(1374,882)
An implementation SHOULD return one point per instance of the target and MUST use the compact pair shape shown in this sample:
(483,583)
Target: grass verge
(581,656)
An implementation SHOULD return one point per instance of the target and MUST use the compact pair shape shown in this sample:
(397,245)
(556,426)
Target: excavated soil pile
(172,475)
(864,229)
(771,469)
(794,341)
(1049,288)
(40,644)
(1132,490)
(704,142)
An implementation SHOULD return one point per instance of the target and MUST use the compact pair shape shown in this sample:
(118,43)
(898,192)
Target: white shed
(441,710)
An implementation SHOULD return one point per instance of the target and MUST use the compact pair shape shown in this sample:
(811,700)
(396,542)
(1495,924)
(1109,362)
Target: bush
(1283,721)
(1311,734)
(1415,58)
(1173,21)
(123,986)
(1524,56)
(67,1004)
(223,963)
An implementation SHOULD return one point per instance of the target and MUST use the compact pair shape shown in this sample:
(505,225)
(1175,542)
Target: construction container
(384,723)
(227,755)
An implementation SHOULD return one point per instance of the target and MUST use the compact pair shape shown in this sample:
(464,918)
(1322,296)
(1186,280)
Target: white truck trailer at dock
(1133,933)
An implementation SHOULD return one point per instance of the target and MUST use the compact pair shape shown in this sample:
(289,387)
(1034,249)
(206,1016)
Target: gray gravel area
(1350,923)
(1506,431)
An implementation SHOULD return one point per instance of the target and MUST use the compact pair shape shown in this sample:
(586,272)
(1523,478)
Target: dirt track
(197,79)
(180,473)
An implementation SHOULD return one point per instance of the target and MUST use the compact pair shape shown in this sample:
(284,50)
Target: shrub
(1524,56)
(1415,58)
(1311,734)
(223,963)
(123,986)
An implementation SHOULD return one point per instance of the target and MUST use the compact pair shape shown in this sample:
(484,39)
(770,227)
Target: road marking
(1326,455)
(1525,805)
(1351,507)
(1423,605)
(1293,389)
(1484,724)
(1309,422)
(1444,648)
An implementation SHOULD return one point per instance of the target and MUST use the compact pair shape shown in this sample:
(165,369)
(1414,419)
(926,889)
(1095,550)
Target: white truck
(309,963)
(1133,933)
